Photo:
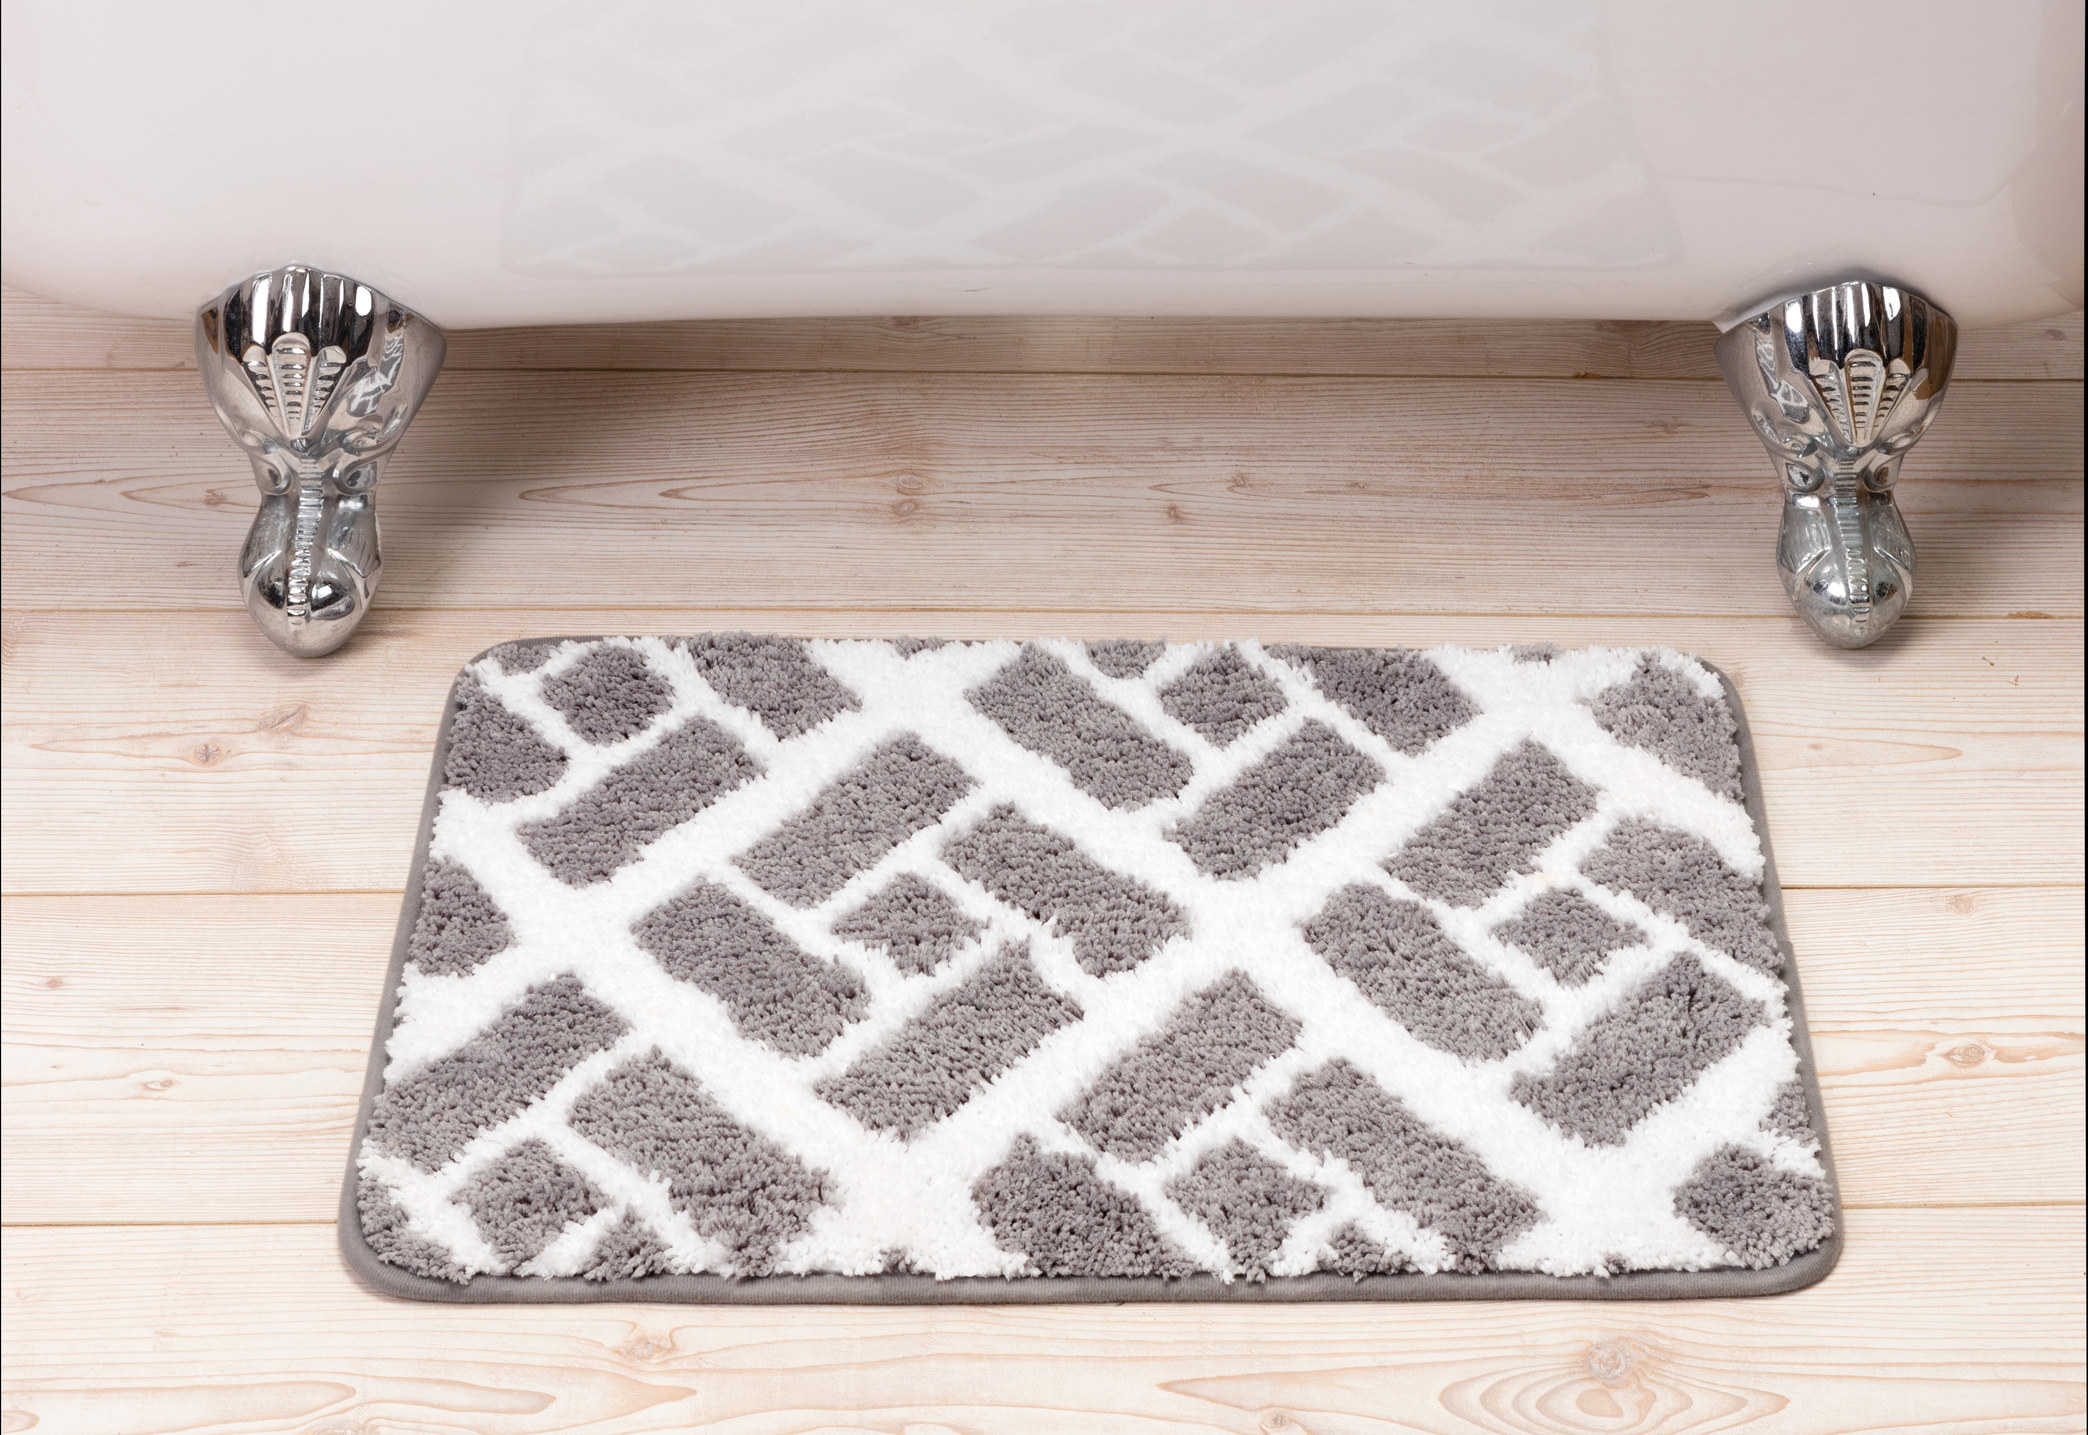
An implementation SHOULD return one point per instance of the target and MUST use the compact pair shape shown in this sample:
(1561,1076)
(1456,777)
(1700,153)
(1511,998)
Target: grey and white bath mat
(754,969)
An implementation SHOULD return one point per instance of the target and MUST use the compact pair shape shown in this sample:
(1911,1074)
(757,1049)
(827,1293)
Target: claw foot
(316,377)
(1839,384)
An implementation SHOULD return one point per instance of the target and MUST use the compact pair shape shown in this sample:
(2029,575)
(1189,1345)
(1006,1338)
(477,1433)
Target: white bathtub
(529,162)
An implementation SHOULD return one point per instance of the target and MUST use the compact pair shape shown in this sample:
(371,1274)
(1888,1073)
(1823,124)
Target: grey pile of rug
(753,968)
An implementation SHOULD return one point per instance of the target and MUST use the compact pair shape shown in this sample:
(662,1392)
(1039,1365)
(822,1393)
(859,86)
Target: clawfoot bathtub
(1836,186)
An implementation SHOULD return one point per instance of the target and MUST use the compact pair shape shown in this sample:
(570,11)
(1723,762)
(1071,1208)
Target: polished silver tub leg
(316,377)
(1839,384)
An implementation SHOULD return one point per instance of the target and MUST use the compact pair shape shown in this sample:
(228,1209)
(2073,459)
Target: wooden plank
(221,1042)
(1960,961)
(99,971)
(1038,493)
(1918,1118)
(1465,348)
(253,771)
(1961,1321)
(41,334)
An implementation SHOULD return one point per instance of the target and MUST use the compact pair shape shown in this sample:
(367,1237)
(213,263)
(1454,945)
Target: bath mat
(740,968)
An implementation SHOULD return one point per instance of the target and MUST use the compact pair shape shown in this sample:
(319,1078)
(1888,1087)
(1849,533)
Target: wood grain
(260,1328)
(222,832)
(45,335)
(150,1031)
(1037,493)
(257,772)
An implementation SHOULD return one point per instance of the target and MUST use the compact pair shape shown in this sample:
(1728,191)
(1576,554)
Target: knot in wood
(1609,1361)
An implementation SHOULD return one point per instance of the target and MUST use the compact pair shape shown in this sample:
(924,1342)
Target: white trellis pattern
(893,1198)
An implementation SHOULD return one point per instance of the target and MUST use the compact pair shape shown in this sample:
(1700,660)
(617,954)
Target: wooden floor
(205,840)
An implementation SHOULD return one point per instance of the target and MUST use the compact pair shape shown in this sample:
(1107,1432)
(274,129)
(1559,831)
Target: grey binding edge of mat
(896,1289)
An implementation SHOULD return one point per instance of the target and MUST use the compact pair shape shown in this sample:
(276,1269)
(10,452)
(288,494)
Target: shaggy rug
(744,968)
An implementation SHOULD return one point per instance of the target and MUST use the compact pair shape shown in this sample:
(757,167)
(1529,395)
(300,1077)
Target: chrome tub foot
(1840,384)
(316,377)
